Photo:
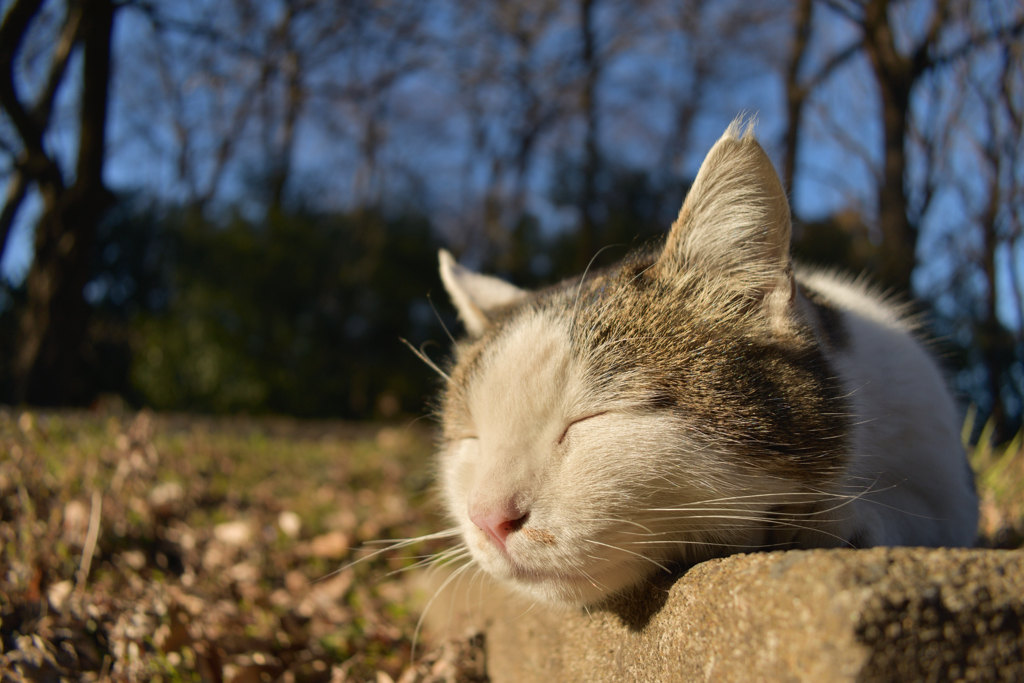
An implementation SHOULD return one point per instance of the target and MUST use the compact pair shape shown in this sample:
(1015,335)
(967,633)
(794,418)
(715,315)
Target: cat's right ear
(475,296)
(735,226)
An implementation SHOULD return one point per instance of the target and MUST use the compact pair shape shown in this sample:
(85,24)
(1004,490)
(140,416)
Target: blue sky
(840,152)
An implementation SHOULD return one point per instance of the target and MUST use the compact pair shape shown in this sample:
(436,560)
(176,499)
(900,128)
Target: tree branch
(841,134)
(920,58)
(17,189)
(1015,30)
(12,34)
(61,56)
(96,38)
(160,21)
(796,94)
(843,11)
(834,62)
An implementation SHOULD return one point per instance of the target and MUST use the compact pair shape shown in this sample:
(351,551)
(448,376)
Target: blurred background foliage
(236,206)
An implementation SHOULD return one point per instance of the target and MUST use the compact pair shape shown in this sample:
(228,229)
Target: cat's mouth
(575,577)
(531,575)
(535,576)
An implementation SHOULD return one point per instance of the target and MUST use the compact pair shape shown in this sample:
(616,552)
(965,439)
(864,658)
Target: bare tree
(899,61)
(513,95)
(53,324)
(592,63)
(246,79)
(972,147)
(946,162)
(540,82)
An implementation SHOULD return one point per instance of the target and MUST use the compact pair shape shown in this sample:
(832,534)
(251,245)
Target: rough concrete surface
(885,614)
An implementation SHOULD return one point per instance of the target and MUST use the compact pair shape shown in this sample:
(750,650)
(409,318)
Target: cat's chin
(567,591)
(572,589)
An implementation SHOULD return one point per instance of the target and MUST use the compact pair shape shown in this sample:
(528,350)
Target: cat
(695,400)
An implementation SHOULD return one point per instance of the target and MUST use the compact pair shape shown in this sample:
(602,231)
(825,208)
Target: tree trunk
(899,237)
(48,361)
(591,160)
(896,75)
(796,94)
(992,339)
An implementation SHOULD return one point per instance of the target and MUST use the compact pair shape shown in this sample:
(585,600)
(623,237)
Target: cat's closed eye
(575,422)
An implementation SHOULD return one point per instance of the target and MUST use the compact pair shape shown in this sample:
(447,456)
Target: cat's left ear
(735,224)
(475,296)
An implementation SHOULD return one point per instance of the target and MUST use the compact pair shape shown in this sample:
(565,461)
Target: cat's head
(653,412)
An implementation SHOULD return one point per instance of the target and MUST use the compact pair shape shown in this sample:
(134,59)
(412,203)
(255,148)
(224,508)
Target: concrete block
(884,614)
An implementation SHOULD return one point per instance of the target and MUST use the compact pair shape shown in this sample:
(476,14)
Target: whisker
(583,278)
(774,522)
(419,622)
(437,315)
(392,544)
(399,542)
(712,544)
(524,612)
(643,557)
(752,496)
(617,520)
(769,514)
(435,561)
(593,582)
(426,359)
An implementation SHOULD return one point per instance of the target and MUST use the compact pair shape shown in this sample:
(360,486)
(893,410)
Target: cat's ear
(475,296)
(735,223)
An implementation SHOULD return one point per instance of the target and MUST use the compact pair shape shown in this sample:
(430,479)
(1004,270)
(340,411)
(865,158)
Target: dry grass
(999,472)
(155,548)
(139,548)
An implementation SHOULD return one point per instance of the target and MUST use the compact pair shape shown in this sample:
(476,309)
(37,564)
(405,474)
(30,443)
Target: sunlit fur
(694,401)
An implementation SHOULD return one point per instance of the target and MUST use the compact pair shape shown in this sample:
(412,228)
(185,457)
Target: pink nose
(497,524)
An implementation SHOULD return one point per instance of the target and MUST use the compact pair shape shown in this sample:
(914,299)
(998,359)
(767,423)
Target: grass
(999,474)
(146,548)
(138,547)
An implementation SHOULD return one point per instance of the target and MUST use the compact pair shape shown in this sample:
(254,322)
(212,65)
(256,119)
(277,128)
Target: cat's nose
(498,524)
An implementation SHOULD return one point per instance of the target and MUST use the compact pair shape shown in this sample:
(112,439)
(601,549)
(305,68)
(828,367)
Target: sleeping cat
(692,401)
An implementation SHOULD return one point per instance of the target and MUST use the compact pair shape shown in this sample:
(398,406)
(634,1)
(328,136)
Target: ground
(142,547)
(137,547)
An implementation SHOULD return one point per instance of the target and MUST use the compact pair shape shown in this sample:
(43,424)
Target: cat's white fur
(909,431)
(605,490)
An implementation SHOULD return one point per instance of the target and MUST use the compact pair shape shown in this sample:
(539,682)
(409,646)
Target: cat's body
(692,402)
